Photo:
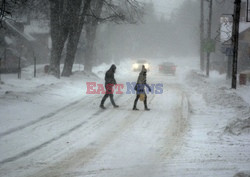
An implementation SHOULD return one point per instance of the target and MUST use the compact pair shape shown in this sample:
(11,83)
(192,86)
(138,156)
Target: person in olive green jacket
(140,88)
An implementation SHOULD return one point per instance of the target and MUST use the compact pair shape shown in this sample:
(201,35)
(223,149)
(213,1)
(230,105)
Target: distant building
(244,49)
(244,38)
(25,41)
(14,45)
(40,31)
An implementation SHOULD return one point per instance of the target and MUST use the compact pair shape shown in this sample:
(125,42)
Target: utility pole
(202,62)
(209,35)
(0,70)
(236,23)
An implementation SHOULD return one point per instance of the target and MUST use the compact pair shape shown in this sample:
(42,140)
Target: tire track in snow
(90,151)
(40,146)
(168,146)
(29,151)
(178,127)
(21,127)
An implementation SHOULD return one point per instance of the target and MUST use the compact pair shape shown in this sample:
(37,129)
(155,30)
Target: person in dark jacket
(140,88)
(109,83)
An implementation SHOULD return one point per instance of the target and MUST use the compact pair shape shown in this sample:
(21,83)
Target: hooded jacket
(142,80)
(142,76)
(109,76)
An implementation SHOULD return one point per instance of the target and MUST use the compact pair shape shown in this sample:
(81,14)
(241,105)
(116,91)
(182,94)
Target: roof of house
(22,34)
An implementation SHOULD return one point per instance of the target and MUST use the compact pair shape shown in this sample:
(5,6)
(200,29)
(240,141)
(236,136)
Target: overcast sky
(165,7)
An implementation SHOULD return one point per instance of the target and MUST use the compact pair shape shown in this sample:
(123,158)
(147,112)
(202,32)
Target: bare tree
(91,27)
(127,11)
(8,7)
(67,21)
(3,12)
(78,16)
(34,9)
(95,9)
(59,26)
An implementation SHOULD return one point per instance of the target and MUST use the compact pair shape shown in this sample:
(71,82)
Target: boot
(103,100)
(135,109)
(101,106)
(145,105)
(113,102)
(135,103)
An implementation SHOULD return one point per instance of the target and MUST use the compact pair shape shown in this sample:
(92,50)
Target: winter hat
(143,70)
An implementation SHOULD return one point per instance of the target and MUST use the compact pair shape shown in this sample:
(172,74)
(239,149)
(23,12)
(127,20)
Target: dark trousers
(108,94)
(111,96)
(137,98)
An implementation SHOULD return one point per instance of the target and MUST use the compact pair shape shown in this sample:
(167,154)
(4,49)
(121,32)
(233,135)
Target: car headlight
(146,65)
(135,66)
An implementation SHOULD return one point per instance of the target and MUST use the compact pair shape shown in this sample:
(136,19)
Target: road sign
(229,51)
(209,45)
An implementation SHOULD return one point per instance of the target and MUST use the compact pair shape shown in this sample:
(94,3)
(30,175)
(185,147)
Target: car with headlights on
(137,66)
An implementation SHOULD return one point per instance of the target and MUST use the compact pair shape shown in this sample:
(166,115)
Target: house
(14,46)
(244,39)
(41,45)
(244,47)
(24,41)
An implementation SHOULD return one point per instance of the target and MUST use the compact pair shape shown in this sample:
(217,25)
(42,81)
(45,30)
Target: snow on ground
(244,93)
(197,127)
(40,145)
(32,98)
(24,101)
(209,149)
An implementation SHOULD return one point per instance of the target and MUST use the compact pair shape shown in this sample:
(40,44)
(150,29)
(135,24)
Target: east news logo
(94,88)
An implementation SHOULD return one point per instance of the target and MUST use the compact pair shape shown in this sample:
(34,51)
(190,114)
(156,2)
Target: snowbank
(239,127)
(243,174)
(244,92)
(218,94)
(219,113)
(30,99)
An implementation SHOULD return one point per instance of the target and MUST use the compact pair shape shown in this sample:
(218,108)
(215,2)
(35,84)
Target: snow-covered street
(67,134)
(127,88)
(81,136)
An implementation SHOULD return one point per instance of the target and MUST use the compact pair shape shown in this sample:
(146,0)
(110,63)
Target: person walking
(109,83)
(140,88)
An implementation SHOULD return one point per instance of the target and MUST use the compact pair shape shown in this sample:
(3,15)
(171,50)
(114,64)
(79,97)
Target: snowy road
(82,140)
(50,127)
